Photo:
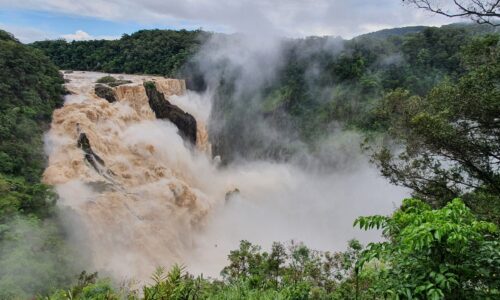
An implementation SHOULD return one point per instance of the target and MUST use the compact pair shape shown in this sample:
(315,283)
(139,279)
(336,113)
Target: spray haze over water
(156,200)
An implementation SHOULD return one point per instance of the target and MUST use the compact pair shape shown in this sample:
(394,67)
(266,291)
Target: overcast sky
(33,20)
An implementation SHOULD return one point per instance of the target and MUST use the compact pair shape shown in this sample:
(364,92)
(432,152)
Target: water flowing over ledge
(140,196)
(127,176)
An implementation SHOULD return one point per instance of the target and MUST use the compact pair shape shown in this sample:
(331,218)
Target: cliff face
(163,109)
(169,87)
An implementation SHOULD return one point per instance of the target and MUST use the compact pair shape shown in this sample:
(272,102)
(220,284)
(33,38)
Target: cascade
(127,175)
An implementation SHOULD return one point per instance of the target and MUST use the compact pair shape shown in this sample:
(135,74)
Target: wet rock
(84,144)
(105,92)
(163,109)
(92,158)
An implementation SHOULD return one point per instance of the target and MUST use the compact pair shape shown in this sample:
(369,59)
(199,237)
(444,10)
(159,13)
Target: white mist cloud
(282,202)
(284,17)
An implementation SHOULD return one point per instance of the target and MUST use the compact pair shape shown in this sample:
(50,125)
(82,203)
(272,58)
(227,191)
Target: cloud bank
(282,17)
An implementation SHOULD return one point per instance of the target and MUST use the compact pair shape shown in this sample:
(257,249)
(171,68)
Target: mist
(32,261)
(309,194)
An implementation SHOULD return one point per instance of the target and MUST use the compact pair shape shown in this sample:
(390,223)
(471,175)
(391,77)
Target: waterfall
(140,196)
(130,178)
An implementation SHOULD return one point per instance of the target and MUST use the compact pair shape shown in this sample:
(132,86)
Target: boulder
(105,92)
(90,156)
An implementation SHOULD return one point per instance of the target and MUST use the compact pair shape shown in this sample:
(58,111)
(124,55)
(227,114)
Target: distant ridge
(472,28)
(399,31)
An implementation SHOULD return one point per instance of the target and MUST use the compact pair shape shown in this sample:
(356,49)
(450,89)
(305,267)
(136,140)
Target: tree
(434,254)
(30,89)
(451,137)
(481,11)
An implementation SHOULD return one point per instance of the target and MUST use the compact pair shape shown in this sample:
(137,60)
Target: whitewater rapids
(162,201)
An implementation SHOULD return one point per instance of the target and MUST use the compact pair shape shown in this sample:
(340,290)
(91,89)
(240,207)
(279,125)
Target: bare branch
(480,11)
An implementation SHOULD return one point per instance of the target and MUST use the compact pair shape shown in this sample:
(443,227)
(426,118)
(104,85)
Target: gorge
(141,196)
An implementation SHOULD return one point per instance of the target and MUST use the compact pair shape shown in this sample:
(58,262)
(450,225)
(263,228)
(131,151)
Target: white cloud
(284,17)
(81,35)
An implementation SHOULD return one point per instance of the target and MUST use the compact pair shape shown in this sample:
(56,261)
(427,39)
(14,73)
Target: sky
(31,20)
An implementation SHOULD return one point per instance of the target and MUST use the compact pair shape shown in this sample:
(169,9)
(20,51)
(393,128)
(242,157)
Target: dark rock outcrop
(105,92)
(163,109)
(90,156)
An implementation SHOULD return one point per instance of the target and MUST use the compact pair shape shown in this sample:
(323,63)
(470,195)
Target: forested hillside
(30,89)
(326,83)
(160,52)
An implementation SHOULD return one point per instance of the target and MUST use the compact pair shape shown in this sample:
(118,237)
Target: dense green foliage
(435,254)
(31,248)
(447,147)
(451,135)
(161,52)
(30,89)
